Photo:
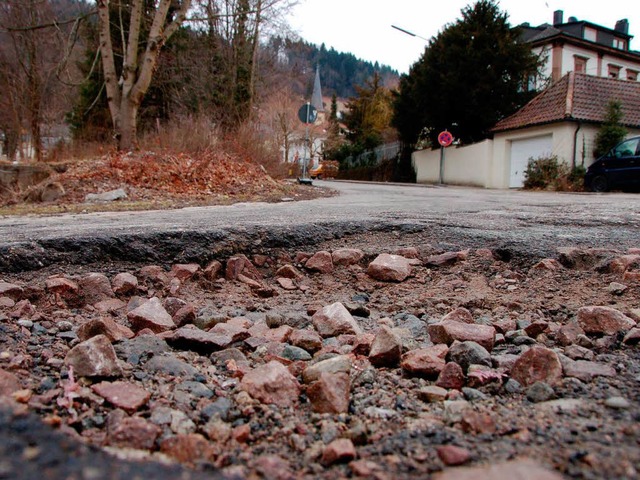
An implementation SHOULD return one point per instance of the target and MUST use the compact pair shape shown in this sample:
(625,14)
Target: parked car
(617,169)
(326,169)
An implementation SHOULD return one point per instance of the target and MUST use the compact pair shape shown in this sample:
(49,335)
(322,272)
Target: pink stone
(134,432)
(110,305)
(184,271)
(334,320)
(386,348)
(187,448)
(585,370)
(389,268)
(105,326)
(452,455)
(309,340)
(347,256)
(192,338)
(339,451)
(423,362)
(451,376)
(94,358)
(212,270)
(549,264)
(236,332)
(449,331)
(94,288)
(273,467)
(603,320)
(330,393)
(289,271)
(537,364)
(632,337)
(152,315)
(155,274)
(522,469)
(124,283)
(320,262)
(443,259)
(241,265)
(286,283)
(272,384)
(61,286)
(9,383)
(460,314)
(10,290)
(124,395)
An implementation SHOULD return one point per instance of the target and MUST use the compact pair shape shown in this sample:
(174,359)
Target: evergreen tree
(470,75)
(368,116)
(612,132)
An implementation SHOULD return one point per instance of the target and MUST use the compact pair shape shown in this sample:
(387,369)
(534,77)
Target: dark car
(618,169)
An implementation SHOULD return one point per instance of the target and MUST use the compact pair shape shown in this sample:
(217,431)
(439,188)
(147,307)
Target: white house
(563,120)
(583,47)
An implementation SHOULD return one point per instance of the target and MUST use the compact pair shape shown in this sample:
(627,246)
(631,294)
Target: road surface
(535,220)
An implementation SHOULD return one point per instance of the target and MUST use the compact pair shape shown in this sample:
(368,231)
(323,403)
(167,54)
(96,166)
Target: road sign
(307,113)
(445,138)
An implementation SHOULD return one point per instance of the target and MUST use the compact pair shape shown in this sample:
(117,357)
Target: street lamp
(409,33)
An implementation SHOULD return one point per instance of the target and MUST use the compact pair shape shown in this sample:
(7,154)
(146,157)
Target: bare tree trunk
(125,95)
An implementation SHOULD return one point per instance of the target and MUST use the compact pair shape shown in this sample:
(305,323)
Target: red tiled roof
(577,97)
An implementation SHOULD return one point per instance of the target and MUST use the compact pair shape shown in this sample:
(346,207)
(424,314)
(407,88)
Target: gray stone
(473,394)
(295,353)
(170,365)
(468,353)
(540,392)
(618,403)
(110,196)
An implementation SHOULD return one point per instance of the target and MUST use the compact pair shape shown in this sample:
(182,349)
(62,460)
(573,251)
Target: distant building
(583,47)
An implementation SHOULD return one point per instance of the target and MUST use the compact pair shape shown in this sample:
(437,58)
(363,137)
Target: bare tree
(126,91)
(31,51)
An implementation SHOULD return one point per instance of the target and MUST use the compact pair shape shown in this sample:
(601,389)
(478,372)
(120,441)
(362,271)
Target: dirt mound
(160,180)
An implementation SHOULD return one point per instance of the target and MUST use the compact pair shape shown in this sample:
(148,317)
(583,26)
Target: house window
(618,43)
(580,64)
(614,71)
(632,74)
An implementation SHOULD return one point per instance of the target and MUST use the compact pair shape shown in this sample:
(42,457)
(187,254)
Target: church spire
(316,96)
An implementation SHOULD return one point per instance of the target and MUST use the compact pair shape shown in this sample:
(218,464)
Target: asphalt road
(539,220)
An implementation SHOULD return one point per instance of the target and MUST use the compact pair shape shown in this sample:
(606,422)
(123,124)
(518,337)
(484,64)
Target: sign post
(307,115)
(444,139)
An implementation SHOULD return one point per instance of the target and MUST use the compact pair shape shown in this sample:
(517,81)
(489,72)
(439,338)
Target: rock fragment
(330,393)
(334,320)
(124,395)
(347,256)
(152,315)
(386,348)
(389,268)
(320,262)
(338,451)
(272,384)
(603,320)
(538,364)
(94,358)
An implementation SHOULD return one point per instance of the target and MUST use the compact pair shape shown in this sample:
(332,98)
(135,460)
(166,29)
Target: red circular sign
(445,138)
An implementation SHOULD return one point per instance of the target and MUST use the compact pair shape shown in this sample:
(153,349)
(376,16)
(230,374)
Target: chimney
(557,17)
(622,26)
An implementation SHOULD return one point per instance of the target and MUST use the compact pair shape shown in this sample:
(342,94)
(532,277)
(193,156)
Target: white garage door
(522,151)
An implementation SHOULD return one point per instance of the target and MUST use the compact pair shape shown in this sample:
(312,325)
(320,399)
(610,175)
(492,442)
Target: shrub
(548,173)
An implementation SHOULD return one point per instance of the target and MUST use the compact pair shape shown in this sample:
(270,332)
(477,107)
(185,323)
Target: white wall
(462,165)
(488,163)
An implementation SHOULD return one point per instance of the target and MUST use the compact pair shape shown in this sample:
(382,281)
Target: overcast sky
(363,27)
